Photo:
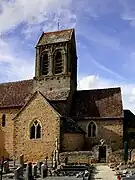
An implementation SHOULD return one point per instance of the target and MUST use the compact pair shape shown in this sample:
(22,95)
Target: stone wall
(1,142)
(36,149)
(72,141)
(80,157)
(6,133)
(109,130)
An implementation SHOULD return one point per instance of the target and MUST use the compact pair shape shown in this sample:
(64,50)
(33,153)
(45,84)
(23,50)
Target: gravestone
(21,160)
(34,170)
(39,166)
(29,171)
(6,166)
(18,173)
(43,171)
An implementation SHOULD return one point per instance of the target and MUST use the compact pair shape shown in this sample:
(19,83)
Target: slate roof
(70,126)
(55,37)
(97,103)
(14,94)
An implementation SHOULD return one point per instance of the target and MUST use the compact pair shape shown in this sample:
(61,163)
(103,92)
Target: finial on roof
(58,24)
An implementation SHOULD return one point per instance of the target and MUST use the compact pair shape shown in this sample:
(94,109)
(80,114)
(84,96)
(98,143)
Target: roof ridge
(11,82)
(49,32)
(97,89)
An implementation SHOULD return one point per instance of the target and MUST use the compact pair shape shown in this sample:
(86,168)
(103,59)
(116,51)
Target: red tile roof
(97,103)
(14,94)
(55,37)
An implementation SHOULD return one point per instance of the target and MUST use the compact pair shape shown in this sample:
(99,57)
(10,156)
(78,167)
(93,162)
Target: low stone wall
(80,157)
(116,157)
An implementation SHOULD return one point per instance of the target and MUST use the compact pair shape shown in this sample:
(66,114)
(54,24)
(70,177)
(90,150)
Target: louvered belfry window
(44,64)
(58,63)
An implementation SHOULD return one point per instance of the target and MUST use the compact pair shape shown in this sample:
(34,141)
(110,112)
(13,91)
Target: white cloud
(32,12)
(97,82)
(12,66)
(128,11)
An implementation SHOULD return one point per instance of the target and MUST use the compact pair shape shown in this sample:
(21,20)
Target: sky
(105,37)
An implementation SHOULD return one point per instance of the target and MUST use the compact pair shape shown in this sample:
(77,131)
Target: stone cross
(46,160)
(102,141)
(56,145)
(52,159)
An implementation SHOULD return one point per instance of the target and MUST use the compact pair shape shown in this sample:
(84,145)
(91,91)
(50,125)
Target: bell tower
(56,64)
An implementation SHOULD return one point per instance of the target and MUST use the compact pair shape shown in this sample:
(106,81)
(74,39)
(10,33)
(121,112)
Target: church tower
(56,64)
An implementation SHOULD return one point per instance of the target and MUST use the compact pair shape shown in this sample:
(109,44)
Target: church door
(102,154)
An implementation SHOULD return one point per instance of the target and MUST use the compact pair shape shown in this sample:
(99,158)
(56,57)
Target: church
(35,113)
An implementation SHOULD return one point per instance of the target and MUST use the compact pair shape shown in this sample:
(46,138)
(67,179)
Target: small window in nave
(3,120)
(92,129)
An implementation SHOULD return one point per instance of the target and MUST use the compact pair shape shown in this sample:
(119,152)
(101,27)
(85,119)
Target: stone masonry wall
(36,149)
(80,157)
(109,130)
(6,133)
(72,141)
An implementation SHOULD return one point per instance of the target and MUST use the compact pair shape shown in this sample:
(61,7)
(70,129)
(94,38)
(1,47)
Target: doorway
(102,154)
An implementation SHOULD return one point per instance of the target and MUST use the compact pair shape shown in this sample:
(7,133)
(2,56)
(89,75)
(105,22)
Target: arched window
(92,129)
(3,120)
(58,62)
(44,64)
(35,130)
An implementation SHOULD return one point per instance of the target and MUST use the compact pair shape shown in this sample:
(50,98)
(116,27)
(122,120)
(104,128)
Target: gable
(37,103)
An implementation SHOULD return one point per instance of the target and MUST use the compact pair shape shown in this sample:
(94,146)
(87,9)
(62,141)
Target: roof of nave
(97,103)
(86,103)
(55,37)
(14,94)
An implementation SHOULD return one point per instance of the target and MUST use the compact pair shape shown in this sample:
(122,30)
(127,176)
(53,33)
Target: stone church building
(36,113)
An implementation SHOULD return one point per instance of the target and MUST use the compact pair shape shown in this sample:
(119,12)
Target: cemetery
(42,170)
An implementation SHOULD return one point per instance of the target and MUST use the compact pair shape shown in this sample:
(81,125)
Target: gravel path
(103,172)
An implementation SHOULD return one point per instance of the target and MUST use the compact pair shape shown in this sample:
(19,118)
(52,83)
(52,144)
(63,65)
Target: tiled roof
(70,126)
(60,106)
(129,119)
(14,94)
(55,37)
(97,103)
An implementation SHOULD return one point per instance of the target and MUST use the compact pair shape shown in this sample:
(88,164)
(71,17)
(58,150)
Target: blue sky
(105,35)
